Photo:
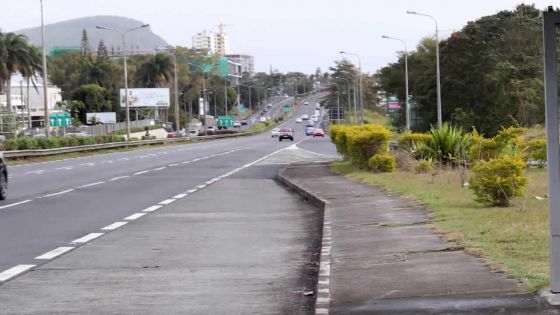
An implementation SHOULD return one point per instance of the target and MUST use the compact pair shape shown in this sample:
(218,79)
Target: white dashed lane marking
(135,216)
(14,271)
(179,196)
(152,208)
(55,252)
(114,226)
(87,238)
(117,178)
(140,173)
(166,202)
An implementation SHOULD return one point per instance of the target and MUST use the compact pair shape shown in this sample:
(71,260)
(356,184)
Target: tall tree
(157,71)
(17,55)
(85,47)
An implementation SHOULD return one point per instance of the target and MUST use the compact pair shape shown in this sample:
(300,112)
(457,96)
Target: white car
(262,119)
(275,132)
(306,103)
(299,120)
(314,118)
(304,117)
(237,124)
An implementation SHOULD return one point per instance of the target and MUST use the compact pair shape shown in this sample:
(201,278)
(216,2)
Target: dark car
(3,178)
(309,131)
(286,133)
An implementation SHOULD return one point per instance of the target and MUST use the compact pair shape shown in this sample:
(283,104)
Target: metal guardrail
(92,147)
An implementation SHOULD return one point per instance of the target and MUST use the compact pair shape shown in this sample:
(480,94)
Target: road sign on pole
(59,120)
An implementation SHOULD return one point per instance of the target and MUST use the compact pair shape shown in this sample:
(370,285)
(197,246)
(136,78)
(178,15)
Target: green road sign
(287,109)
(225,121)
(60,120)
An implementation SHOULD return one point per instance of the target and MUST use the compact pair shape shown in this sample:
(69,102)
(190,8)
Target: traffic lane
(226,248)
(26,182)
(33,228)
(320,145)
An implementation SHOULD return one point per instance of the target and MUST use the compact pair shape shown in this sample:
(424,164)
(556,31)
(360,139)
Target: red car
(318,133)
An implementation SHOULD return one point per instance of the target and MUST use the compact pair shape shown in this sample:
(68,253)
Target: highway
(58,206)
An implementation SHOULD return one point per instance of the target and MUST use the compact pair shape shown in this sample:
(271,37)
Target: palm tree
(157,71)
(17,56)
(30,72)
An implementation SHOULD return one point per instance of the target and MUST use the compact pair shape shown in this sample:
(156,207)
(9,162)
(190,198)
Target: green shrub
(424,166)
(382,163)
(483,149)
(498,181)
(26,143)
(407,140)
(11,145)
(447,144)
(147,137)
(363,142)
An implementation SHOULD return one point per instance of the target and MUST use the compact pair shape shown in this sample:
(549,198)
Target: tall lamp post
(405,78)
(45,98)
(361,116)
(175,86)
(439,116)
(123,37)
(349,103)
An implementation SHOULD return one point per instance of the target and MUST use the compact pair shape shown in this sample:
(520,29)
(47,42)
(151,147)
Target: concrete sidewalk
(380,257)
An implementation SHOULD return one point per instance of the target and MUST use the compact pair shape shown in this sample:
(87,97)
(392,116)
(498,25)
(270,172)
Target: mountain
(69,34)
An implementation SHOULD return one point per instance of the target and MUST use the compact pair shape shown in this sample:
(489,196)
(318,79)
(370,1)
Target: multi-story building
(206,40)
(247,62)
(222,44)
(28,101)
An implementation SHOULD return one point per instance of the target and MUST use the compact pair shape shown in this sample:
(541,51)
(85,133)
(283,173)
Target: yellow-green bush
(363,142)
(499,180)
(338,136)
(382,163)
(424,166)
(536,150)
(406,140)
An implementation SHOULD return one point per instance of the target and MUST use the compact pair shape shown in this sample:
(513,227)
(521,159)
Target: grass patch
(373,117)
(513,240)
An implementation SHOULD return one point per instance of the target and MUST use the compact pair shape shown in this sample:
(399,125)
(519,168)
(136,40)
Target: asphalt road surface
(55,208)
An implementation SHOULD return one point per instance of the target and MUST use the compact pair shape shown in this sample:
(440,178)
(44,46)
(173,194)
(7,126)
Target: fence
(100,130)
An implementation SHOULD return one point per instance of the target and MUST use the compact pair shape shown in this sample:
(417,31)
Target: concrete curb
(323,296)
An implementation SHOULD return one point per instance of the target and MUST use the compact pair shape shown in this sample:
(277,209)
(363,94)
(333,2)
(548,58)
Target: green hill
(69,34)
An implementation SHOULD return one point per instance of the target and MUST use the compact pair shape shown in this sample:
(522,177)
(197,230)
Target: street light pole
(123,36)
(405,79)
(361,116)
(439,115)
(348,91)
(45,97)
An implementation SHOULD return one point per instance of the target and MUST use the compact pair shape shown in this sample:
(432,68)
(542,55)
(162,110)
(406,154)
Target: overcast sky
(290,35)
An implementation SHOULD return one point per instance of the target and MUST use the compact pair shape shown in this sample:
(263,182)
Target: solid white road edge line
(59,193)
(55,252)
(15,204)
(89,185)
(14,271)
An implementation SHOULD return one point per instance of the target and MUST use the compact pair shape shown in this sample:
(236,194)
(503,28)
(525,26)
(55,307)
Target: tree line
(491,74)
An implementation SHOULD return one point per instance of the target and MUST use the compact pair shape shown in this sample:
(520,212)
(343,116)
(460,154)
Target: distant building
(247,62)
(215,43)
(32,104)
(205,40)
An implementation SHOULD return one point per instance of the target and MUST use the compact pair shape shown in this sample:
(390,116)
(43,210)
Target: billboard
(102,117)
(155,97)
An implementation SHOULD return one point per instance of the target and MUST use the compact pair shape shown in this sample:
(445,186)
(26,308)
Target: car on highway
(262,119)
(236,124)
(306,103)
(3,178)
(317,106)
(299,120)
(310,123)
(318,132)
(286,133)
(275,132)
(305,117)
(309,130)
(243,123)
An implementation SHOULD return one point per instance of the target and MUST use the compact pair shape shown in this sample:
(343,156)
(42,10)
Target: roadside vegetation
(481,191)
